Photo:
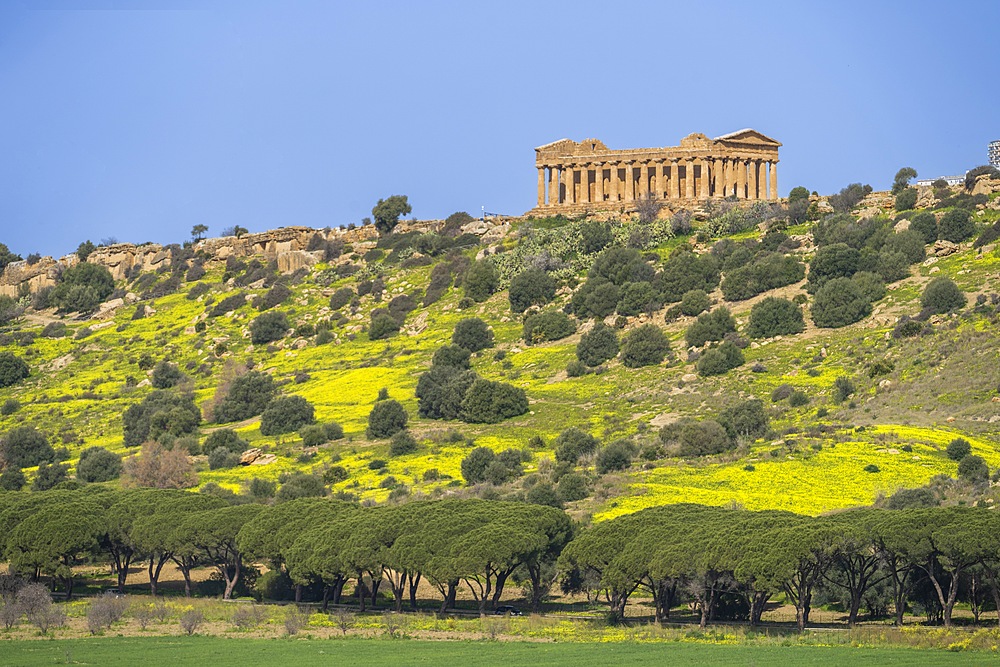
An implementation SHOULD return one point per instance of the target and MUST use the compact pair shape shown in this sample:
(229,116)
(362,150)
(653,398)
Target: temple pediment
(749,137)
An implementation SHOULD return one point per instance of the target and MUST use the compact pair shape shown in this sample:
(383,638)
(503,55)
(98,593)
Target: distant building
(994,153)
(951,180)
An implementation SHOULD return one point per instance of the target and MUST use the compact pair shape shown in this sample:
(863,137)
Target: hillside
(914,390)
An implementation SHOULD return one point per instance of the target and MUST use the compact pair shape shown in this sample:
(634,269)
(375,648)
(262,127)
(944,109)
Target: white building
(994,153)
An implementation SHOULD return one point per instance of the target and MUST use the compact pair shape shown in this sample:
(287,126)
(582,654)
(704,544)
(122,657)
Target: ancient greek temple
(588,176)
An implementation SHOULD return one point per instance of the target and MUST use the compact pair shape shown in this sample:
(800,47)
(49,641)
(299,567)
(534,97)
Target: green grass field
(219,652)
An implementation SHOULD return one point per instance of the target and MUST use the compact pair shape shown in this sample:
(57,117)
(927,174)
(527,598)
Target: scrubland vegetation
(739,374)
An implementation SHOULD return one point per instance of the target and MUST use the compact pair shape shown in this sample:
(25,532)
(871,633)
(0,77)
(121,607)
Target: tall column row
(663,178)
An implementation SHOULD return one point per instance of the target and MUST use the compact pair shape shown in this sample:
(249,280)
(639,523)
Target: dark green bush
(906,199)
(697,438)
(597,345)
(910,242)
(162,411)
(268,327)
(840,302)
(475,464)
(221,458)
(97,464)
(694,302)
(386,419)
(572,444)
(837,260)
(247,397)
(956,226)
(166,375)
(12,369)
(226,438)
(871,285)
(638,298)
(275,296)
(481,280)
(596,236)
(621,266)
(798,398)
(942,295)
(576,368)
(9,407)
(54,330)
(341,298)
(973,469)
(286,414)
(546,326)
(441,390)
(301,485)
(452,355)
(684,271)
(572,486)
(843,389)
(925,224)
(25,446)
(615,456)
(774,316)
(720,360)
(487,402)
(383,326)
(645,346)
(48,476)
(958,449)
(709,327)
(82,288)
(472,334)
(767,272)
(746,420)
(402,443)
(531,287)
(12,479)
(598,297)
(228,305)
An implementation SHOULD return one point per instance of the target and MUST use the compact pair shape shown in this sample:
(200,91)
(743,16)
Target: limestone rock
(689,377)
(107,309)
(944,248)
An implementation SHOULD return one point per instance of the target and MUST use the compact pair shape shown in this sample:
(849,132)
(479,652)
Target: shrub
(838,303)
(487,402)
(531,287)
(871,467)
(597,345)
(402,443)
(909,242)
(221,458)
(227,439)
(543,493)
(956,226)
(644,346)
(97,464)
(12,369)
(598,297)
(837,260)
(268,327)
(615,456)
(166,375)
(942,296)
(286,414)
(341,298)
(976,172)
(301,485)
(906,199)
(572,486)
(596,236)
(958,449)
(53,330)
(162,411)
(843,389)
(402,305)
(159,468)
(870,284)
(767,272)
(228,305)
(441,389)
(925,224)
(12,479)
(698,438)
(572,444)
(481,280)
(745,420)
(973,469)
(774,316)
(246,397)
(476,463)
(576,368)
(684,271)
(82,288)
(48,476)
(546,326)
(694,302)
(710,326)
(472,334)
(383,326)
(849,197)
(453,356)
(386,419)
(637,298)
(313,435)
(720,360)
(25,446)
(798,398)
(9,407)
(275,296)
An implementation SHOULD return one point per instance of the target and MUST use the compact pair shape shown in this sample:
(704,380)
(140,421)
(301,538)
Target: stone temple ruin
(577,177)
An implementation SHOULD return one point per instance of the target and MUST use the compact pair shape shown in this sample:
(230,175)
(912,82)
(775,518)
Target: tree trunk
(852,616)
(758,600)
(298,593)
(326,599)
(338,588)
(414,584)
(361,592)
(375,586)
(152,578)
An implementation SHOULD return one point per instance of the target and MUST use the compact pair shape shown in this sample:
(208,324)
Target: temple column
(774,180)
(613,181)
(553,186)
(741,179)
(717,178)
(758,187)
(585,183)
(629,181)
(643,180)
(660,187)
(704,178)
(541,187)
(569,180)
(599,182)
(689,178)
(674,180)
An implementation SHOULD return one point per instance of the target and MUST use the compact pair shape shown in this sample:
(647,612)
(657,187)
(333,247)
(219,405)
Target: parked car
(507,610)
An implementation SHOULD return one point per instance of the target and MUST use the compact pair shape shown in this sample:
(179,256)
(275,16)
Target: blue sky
(139,120)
